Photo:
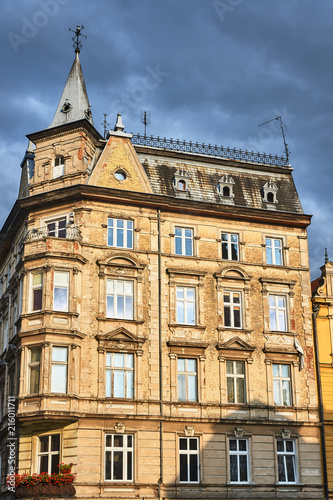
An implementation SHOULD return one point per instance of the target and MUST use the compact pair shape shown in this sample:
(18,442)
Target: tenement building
(322,303)
(155,316)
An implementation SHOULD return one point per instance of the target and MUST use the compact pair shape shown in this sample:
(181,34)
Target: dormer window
(181,181)
(270,190)
(225,189)
(59,167)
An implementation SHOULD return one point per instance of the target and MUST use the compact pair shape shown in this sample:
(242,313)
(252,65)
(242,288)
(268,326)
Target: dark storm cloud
(208,70)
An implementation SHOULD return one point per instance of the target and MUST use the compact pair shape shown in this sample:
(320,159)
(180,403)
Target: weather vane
(77,44)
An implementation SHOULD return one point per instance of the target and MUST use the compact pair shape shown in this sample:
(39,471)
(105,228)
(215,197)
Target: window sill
(230,329)
(185,325)
(278,332)
(123,320)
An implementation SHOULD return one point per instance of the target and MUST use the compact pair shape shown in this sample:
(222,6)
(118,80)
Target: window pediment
(120,338)
(233,273)
(185,347)
(236,343)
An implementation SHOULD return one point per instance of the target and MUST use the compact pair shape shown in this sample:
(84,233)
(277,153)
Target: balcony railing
(209,150)
(70,232)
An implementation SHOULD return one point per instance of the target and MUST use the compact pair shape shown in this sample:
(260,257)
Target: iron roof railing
(209,149)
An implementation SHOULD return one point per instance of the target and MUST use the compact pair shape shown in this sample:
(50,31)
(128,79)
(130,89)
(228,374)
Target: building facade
(322,302)
(155,317)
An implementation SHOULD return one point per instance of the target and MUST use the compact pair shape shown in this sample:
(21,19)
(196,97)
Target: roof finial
(326,256)
(77,44)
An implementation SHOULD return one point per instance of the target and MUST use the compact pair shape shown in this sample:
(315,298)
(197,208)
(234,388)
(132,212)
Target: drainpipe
(160,482)
(315,312)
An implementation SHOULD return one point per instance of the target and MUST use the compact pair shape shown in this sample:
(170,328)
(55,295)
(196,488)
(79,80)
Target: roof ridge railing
(209,150)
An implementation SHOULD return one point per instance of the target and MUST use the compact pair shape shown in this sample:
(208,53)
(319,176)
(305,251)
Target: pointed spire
(326,256)
(74,103)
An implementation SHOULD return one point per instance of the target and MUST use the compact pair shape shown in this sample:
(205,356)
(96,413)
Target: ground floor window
(189,460)
(119,457)
(49,453)
(286,455)
(239,460)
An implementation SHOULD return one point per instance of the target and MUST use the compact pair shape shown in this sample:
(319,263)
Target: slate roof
(74,102)
(205,176)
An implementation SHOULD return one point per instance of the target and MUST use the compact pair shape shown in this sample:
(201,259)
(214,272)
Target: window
(183,241)
(281,385)
(57,228)
(59,167)
(270,197)
(120,233)
(119,299)
(236,381)
(185,305)
(226,191)
(59,370)
(34,369)
(36,292)
(232,309)
(230,250)
(118,457)
(239,460)
(119,375)
(277,313)
(187,379)
(49,453)
(181,186)
(286,455)
(60,290)
(274,251)
(189,460)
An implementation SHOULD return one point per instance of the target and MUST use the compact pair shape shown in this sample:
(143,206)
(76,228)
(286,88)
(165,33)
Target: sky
(204,70)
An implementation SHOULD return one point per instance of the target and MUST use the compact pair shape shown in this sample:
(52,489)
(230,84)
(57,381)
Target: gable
(120,156)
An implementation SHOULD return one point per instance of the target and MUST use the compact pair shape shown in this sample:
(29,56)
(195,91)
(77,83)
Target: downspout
(160,482)
(315,308)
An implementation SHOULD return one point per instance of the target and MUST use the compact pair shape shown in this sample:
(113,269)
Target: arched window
(270,197)
(226,191)
(59,167)
(181,185)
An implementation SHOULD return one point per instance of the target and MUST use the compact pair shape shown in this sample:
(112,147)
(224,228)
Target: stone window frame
(117,214)
(189,279)
(278,287)
(284,249)
(240,435)
(226,181)
(233,279)
(195,239)
(235,349)
(179,348)
(35,446)
(288,435)
(241,244)
(121,266)
(123,341)
(285,356)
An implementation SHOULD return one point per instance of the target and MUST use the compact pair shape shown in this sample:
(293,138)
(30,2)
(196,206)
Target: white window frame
(234,376)
(34,364)
(276,309)
(188,452)
(127,230)
(183,239)
(285,454)
(116,294)
(125,450)
(186,302)
(61,286)
(229,245)
(32,289)
(232,306)
(239,453)
(127,371)
(185,375)
(49,453)
(54,370)
(58,166)
(271,243)
(56,227)
(280,381)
